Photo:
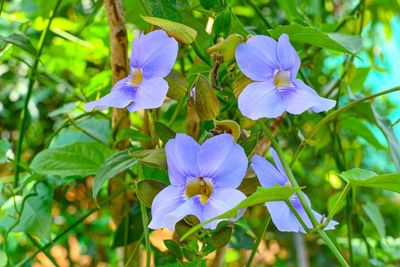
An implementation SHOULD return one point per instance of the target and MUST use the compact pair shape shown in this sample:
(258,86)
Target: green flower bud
(203,99)
(221,237)
(151,157)
(182,33)
(227,126)
(226,49)
(177,85)
(240,84)
(147,190)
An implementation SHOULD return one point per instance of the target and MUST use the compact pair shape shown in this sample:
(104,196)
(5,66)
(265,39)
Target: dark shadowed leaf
(133,223)
(147,190)
(163,131)
(20,41)
(250,143)
(221,237)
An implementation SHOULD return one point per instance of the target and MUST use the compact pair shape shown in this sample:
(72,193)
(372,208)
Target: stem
(37,244)
(300,195)
(259,238)
(337,204)
(83,130)
(50,244)
(144,221)
(303,224)
(134,250)
(333,115)
(349,227)
(32,76)
(176,111)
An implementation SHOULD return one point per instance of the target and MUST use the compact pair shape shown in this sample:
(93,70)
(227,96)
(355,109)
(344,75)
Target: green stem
(337,204)
(259,238)
(176,111)
(58,237)
(301,196)
(144,221)
(83,130)
(37,244)
(32,79)
(349,227)
(134,250)
(333,115)
(303,224)
(259,13)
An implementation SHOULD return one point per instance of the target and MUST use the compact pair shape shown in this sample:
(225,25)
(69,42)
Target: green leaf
(134,135)
(350,42)
(308,35)
(250,143)
(210,4)
(262,195)
(376,217)
(151,157)
(4,147)
(177,85)
(163,131)
(174,247)
(135,228)
(289,7)
(223,23)
(241,239)
(222,237)
(36,216)
(358,128)
(20,41)
(360,177)
(114,165)
(80,159)
(164,9)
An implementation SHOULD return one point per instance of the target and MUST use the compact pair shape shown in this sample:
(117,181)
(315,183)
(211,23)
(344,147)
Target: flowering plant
(198,133)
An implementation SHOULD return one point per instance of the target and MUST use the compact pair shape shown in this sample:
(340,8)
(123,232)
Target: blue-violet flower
(152,58)
(283,218)
(274,66)
(203,180)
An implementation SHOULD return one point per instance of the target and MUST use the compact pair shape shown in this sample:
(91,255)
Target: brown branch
(264,144)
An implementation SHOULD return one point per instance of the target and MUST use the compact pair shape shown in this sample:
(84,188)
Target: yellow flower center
(199,186)
(137,76)
(282,78)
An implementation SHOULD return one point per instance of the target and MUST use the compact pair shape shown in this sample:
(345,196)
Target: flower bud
(147,189)
(177,85)
(221,237)
(203,99)
(182,33)
(240,84)
(226,48)
(226,126)
(151,157)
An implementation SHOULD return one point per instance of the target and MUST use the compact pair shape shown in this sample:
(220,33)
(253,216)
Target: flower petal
(155,53)
(283,217)
(253,63)
(288,56)
(319,104)
(181,155)
(219,202)
(166,201)
(331,225)
(261,100)
(267,46)
(191,206)
(223,161)
(122,94)
(149,94)
(267,174)
(278,162)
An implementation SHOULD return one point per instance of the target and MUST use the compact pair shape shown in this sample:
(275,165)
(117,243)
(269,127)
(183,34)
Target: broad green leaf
(262,195)
(114,165)
(20,41)
(182,33)
(4,147)
(308,35)
(135,228)
(80,159)
(360,177)
(223,23)
(358,128)
(350,42)
(376,217)
(36,216)
(164,9)
(163,131)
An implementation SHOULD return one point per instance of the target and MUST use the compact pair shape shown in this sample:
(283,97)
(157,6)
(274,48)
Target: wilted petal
(166,201)
(253,63)
(266,46)
(155,53)
(261,100)
(122,94)
(191,206)
(288,56)
(149,94)
(267,174)
(181,155)
(223,161)
(220,202)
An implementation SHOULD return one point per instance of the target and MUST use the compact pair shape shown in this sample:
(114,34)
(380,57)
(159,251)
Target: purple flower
(281,215)
(274,66)
(152,58)
(203,180)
